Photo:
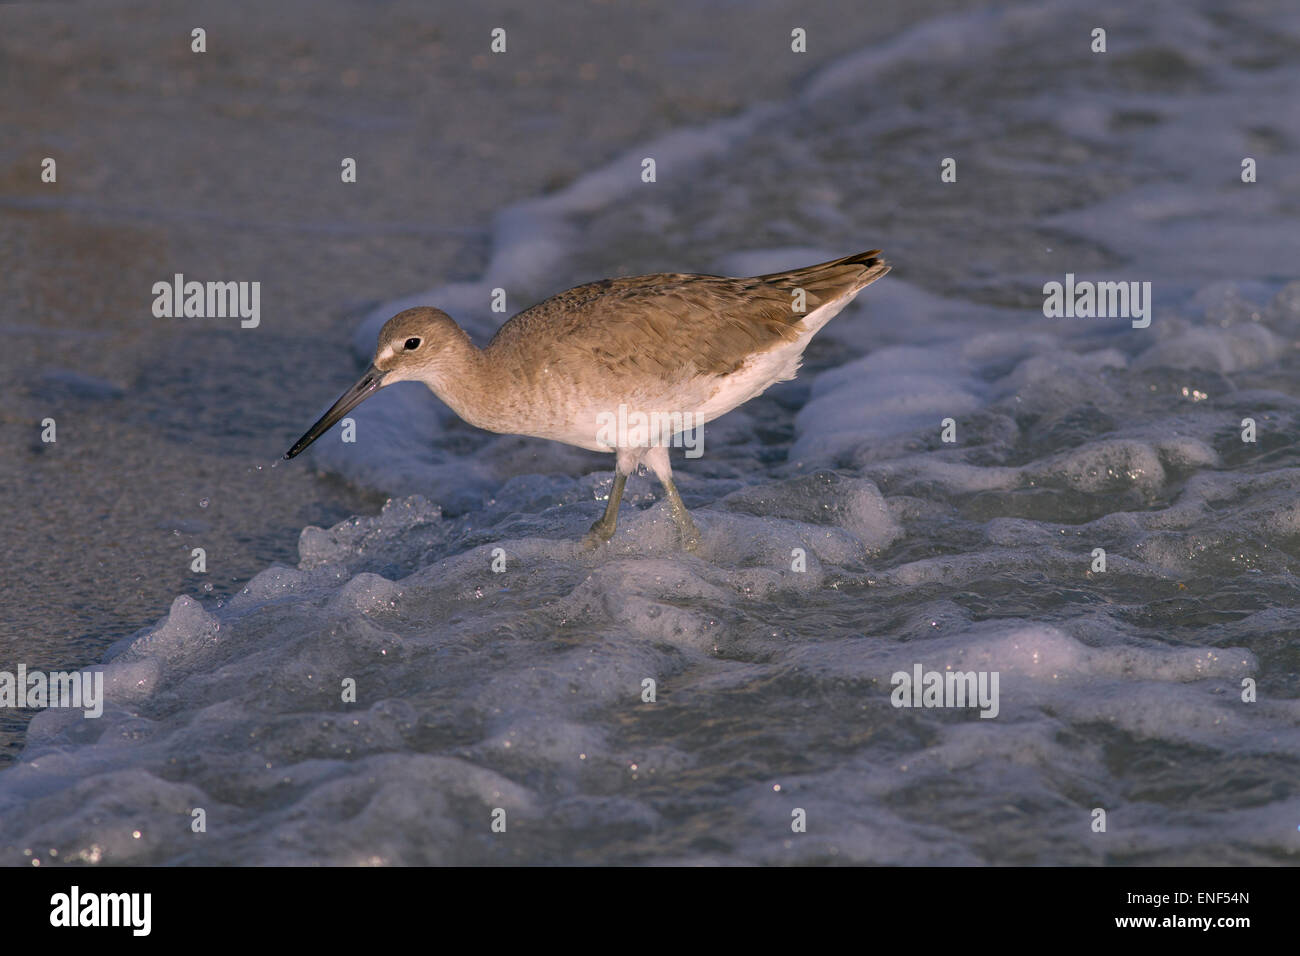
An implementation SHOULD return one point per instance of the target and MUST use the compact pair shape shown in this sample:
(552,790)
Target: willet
(676,350)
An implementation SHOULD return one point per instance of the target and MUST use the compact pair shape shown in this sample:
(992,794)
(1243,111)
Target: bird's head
(413,345)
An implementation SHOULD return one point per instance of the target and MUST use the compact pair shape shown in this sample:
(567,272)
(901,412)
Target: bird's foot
(690,535)
(599,534)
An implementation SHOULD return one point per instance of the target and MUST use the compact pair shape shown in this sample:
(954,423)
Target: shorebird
(670,351)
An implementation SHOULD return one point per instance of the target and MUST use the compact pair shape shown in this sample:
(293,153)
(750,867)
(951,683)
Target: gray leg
(657,458)
(681,517)
(603,529)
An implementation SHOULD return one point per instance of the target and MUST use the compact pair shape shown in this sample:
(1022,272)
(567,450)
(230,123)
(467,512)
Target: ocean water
(843,539)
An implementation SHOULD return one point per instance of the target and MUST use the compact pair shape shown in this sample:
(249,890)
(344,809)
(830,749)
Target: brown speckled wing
(670,325)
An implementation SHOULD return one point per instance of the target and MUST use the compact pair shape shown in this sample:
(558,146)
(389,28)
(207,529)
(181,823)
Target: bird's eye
(412,345)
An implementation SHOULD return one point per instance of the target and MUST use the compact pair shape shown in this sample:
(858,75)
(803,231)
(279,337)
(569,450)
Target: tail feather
(837,277)
(828,281)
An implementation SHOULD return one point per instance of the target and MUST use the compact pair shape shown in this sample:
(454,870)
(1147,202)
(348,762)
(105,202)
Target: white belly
(650,413)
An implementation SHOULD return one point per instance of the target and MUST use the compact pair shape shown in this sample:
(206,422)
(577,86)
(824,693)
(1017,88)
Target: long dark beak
(366,386)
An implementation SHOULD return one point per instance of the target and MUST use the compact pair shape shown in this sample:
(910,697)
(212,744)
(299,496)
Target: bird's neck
(464,384)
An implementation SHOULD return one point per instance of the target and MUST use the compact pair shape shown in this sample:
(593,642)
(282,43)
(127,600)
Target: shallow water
(520,692)
(213,167)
